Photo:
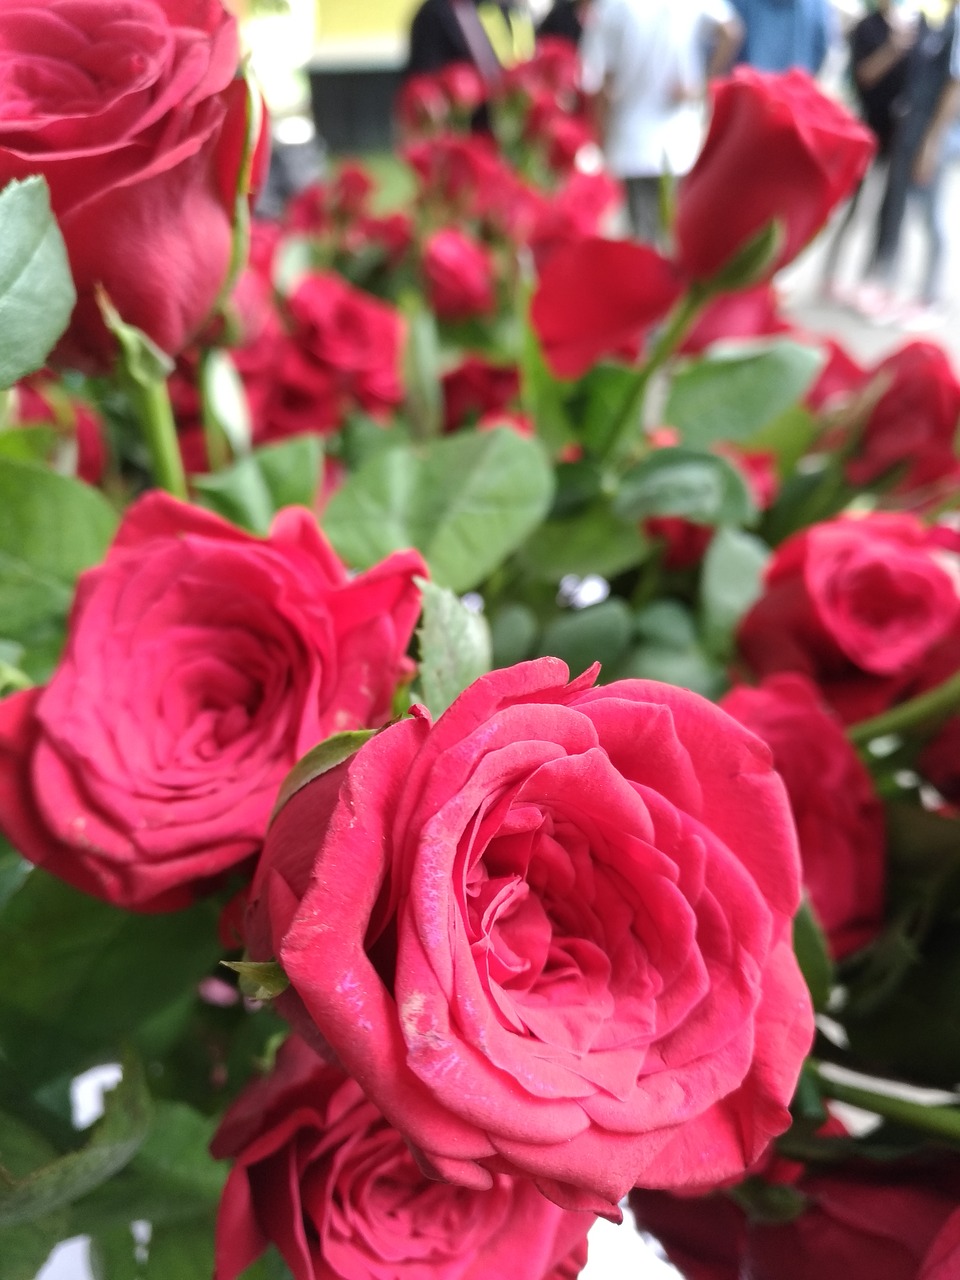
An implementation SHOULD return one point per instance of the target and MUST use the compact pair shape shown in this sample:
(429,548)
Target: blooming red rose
(550,934)
(40,401)
(913,426)
(201,663)
(943,1258)
(477,387)
(862,1219)
(838,814)
(857,604)
(776,148)
(133,115)
(598,297)
(459,275)
(461,174)
(322,1174)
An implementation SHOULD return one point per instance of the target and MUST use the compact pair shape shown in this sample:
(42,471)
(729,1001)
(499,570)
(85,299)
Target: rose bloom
(858,604)
(321,1174)
(459,275)
(550,934)
(133,115)
(43,402)
(863,1219)
(477,387)
(776,148)
(943,1258)
(838,814)
(201,663)
(911,431)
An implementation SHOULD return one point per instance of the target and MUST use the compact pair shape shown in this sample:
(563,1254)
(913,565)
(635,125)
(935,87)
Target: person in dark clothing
(927,106)
(490,35)
(564,20)
(878,46)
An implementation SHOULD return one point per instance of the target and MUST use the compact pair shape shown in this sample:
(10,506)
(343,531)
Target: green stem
(942,1121)
(669,337)
(922,711)
(151,401)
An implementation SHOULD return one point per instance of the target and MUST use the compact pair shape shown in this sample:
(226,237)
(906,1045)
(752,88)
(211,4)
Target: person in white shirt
(645,63)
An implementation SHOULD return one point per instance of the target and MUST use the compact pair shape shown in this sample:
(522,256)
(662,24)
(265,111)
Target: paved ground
(805,302)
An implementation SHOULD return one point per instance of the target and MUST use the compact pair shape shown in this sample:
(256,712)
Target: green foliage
(257,486)
(599,633)
(593,540)
(739,388)
(51,528)
(36,287)
(702,487)
(466,502)
(454,646)
(813,957)
(730,582)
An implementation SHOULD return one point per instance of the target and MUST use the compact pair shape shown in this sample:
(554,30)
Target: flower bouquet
(478,744)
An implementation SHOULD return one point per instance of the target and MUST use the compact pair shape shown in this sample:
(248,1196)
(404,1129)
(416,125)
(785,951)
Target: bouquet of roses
(481,699)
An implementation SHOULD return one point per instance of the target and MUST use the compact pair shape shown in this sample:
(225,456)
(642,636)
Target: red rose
(597,298)
(748,313)
(940,760)
(943,1260)
(42,402)
(477,387)
(873,1220)
(550,934)
(777,148)
(132,114)
(857,604)
(839,817)
(459,275)
(201,663)
(323,1175)
(914,424)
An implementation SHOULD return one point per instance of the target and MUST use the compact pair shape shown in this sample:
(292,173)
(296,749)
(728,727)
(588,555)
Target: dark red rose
(476,387)
(320,1173)
(913,428)
(776,148)
(598,297)
(838,814)
(458,271)
(876,1219)
(837,380)
(943,1259)
(458,173)
(857,604)
(940,761)
(748,313)
(201,663)
(550,934)
(133,115)
(422,105)
(351,190)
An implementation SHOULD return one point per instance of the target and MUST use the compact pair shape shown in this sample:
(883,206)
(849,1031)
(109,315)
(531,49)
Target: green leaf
(51,528)
(592,541)
(256,487)
(454,646)
(812,954)
(600,633)
(513,631)
(466,501)
(259,979)
(114,1142)
(702,487)
(668,649)
(226,414)
(424,398)
(144,363)
(105,972)
(36,287)
(25,1248)
(730,582)
(326,755)
(740,388)
(184,1251)
(789,436)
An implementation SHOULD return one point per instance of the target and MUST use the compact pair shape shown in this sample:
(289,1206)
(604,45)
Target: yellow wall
(356,19)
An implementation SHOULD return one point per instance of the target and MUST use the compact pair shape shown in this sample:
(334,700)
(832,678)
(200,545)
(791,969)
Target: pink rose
(857,604)
(201,663)
(459,275)
(550,934)
(324,1176)
(133,115)
(838,814)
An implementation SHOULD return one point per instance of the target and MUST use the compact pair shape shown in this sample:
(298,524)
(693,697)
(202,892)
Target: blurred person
(488,34)
(878,46)
(782,34)
(925,111)
(564,20)
(644,65)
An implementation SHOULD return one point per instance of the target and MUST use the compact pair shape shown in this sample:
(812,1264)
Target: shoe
(875,302)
